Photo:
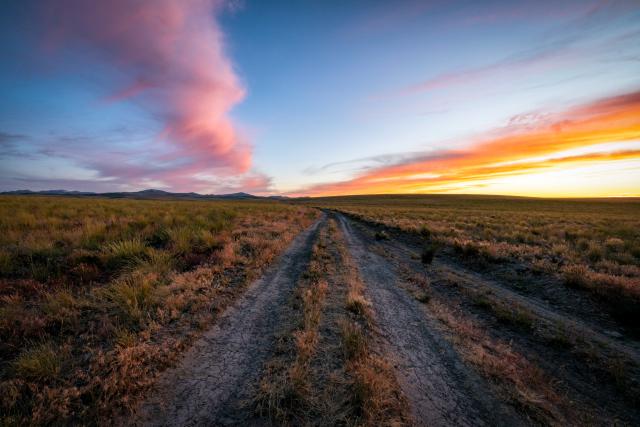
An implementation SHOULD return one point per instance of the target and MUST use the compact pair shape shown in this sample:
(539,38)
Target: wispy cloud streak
(580,38)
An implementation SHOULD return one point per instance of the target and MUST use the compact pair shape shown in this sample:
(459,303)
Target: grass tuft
(357,304)
(354,343)
(124,253)
(41,363)
(133,296)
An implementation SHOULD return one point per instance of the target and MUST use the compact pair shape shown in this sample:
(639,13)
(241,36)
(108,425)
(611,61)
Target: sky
(308,98)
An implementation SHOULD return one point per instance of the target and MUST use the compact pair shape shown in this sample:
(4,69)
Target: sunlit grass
(588,244)
(122,285)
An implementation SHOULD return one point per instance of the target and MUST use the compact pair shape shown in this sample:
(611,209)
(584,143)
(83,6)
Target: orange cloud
(518,151)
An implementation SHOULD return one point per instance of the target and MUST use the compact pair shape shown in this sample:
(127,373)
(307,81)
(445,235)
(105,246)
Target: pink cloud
(536,60)
(172,52)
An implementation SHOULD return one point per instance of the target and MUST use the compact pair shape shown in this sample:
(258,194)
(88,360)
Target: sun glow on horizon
(590,150)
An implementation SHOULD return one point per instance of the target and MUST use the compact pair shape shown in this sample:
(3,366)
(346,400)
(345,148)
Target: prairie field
(96,295)
(590,244)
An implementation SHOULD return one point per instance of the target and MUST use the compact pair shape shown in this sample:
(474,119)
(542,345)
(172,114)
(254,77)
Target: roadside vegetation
(593,245)
(376,391)
(285,393)
(557,352)
(324,371)
(519,352)
(97,296)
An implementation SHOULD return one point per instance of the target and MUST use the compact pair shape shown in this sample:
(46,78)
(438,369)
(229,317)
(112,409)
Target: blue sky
(298,96)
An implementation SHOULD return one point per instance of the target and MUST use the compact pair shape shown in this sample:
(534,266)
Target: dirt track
(586,370)
(599,331)
(212,381)
(217,376)
(440,389)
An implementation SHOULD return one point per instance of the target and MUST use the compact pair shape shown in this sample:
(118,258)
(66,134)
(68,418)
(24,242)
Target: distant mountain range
(144,194)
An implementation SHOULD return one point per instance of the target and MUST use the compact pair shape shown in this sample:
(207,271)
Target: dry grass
(521,381)
(298,388)
(97,296)
(376,395)
(376,392)
(354,340)
(591,244)
(285,395)
(619,291)
(41,362)
(307,338)
(357,304)
(509,312)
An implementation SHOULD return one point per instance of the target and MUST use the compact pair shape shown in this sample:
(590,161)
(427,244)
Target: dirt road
(440,388)
(212,381)
(591,375)
(521,376)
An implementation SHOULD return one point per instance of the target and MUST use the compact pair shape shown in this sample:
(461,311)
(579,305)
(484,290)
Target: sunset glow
(211,96)
(578,141)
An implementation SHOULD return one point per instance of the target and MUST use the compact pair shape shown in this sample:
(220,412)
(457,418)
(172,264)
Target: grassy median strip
(376,396)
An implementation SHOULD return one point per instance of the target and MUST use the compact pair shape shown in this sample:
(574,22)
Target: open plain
(392,310)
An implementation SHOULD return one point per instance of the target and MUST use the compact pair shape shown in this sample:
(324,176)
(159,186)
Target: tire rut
(440,389)
(541,310)
(214,378)
(573,373)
